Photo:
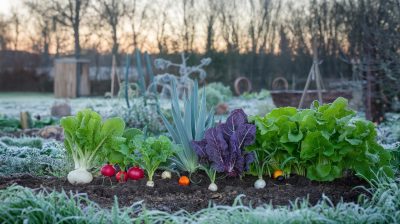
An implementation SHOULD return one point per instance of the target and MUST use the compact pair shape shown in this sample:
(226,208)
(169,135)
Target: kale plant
(183,81)
(33,156)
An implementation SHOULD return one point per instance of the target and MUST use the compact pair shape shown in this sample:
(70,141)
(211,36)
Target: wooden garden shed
(67,82)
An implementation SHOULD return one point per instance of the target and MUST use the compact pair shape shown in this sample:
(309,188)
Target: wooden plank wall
(65,79)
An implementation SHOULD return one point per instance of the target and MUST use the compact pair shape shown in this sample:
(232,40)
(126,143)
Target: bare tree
(67,13)
(41,35)
(161,21)
(15,22)
(137,12)
(230,25)
(111,12)
(211,16)
(4,33)
(189,24)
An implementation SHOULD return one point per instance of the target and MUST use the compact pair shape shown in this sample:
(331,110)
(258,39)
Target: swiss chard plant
(86,136)
(222,149)
(321,142)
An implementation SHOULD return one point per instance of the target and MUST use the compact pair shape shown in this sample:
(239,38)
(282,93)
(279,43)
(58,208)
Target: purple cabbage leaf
(223,146)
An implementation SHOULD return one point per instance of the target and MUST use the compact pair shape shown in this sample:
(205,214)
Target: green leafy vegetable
(151,152)
(86,136)
(122,154)
(321,142)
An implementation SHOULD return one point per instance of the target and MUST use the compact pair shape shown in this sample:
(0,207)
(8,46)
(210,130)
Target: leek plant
(188,126)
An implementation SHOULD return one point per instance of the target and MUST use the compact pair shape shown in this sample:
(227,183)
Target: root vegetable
(79,176)
(184,181)
(166,175)
(213,187)
(278,175)
(150,183)
(122,176)
(107,170)
(259,184)
(135,173)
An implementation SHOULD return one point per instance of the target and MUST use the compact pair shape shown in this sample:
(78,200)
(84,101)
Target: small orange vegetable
(184,181)
(278,174)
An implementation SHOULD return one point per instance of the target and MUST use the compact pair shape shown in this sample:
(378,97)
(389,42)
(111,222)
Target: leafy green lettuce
(321,142)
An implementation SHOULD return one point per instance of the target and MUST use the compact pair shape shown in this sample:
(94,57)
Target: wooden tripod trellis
(313,75)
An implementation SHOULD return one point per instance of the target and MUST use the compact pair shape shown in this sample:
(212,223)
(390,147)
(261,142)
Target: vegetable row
(321,143)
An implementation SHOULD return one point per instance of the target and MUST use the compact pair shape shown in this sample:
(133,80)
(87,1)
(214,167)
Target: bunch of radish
(134,173)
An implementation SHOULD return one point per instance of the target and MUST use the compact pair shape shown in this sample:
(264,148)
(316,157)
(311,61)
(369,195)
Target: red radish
(107,170)
(135,173)
(122,176)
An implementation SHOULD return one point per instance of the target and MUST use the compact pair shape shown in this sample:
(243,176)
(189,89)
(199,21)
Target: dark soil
(167,195)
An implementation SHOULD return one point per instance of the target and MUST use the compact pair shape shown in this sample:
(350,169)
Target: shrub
(217,93)
(262,95)
(141,115)
(33,156)
(321,142)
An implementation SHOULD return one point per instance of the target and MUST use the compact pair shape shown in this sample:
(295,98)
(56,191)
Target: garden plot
(168,196)
(301,156)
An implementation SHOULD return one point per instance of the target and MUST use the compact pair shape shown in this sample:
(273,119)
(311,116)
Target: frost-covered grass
(137,116)
(23,205)
(40,104)
(32,155)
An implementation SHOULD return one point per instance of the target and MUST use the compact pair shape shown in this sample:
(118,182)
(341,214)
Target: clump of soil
(168,196)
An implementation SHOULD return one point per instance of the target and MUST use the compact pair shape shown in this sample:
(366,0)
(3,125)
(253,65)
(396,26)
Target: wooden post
(25,120)
(316,69)
(112,76)
(368,98)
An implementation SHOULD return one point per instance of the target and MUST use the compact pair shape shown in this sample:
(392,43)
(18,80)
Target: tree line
(357,40)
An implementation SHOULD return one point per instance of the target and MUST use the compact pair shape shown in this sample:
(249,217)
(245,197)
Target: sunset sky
(6,5)
(99,38)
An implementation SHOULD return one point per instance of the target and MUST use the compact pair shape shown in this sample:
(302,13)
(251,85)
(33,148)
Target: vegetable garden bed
(167,195)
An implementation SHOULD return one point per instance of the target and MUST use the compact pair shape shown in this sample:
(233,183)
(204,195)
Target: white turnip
(150,183)
(213,187)
(166,175)
(79,176)
(260,184)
